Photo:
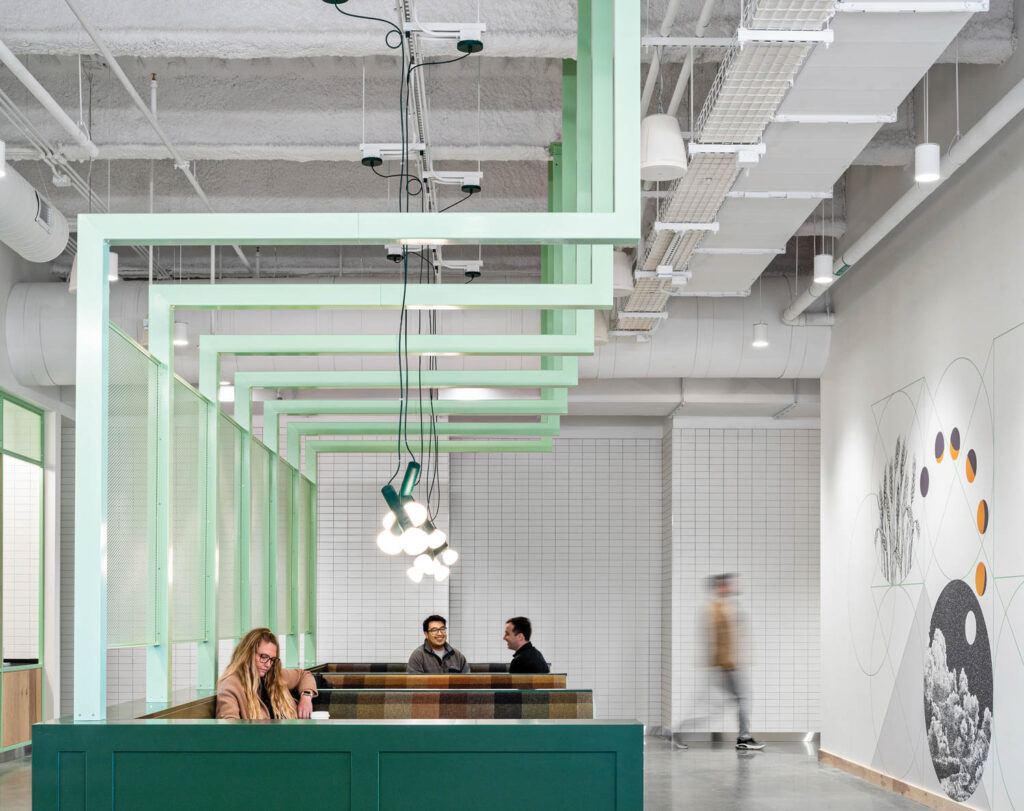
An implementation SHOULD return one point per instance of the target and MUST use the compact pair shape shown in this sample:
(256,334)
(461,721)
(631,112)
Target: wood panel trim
(929,798)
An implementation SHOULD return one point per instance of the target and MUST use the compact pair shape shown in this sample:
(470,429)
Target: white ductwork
(29,225)
(1001,113)
(701,337)
(711,337)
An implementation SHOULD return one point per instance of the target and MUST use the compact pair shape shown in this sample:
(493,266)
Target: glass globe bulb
(389,543)
(436,539)
(424,563)
(417,512)
(441,573)
(389,520)
(449,556)
(414,541)
(414,574)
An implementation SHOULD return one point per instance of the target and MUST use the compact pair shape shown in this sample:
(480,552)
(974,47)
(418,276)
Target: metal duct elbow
(29,225)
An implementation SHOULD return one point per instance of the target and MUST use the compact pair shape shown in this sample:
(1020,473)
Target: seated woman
(254,685)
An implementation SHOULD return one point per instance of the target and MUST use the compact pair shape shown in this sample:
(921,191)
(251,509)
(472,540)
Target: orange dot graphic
(982,516)
(980,579)
(971,465)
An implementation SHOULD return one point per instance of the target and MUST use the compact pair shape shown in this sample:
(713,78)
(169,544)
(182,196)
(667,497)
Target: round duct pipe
(29,225)
(711,337)
(703,337)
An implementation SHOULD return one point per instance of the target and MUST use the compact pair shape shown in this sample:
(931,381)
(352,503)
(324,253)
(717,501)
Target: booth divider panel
(131,500)
(187,541)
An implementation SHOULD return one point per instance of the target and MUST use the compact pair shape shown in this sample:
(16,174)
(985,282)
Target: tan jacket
(231,701)
(723,632)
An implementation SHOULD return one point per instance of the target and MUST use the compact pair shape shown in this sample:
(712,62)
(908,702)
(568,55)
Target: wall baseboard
(889,783)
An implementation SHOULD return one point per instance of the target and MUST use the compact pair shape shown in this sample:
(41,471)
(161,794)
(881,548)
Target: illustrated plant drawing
(897,527)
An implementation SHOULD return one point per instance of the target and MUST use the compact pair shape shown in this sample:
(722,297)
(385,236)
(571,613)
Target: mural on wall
(897,527)
(958,691)
(932,637)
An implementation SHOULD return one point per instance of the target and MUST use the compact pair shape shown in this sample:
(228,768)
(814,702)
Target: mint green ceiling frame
(551,402)
(606,212)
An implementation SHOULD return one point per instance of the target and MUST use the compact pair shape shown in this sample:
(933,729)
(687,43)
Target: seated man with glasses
(435,655)
(255,686)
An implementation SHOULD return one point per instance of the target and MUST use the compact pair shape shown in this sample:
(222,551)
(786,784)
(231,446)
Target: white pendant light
(414,574)
(3,158)
(760,335)
(112,267)
(180,333)
(622,274)
(449,556)
(823,268)
(441,573)
(926,163)
(662,151)
(389,543)
(927,158)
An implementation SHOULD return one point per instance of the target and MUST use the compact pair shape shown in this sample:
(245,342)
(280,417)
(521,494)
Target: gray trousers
(731,683)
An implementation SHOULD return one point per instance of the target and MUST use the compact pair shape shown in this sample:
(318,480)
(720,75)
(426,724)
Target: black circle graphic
(958,691)
(940,446)
(924,481)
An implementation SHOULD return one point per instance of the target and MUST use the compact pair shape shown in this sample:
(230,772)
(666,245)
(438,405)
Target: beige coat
(723,633)
(231,701)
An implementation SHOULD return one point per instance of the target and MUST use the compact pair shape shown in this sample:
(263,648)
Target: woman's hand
(305,706)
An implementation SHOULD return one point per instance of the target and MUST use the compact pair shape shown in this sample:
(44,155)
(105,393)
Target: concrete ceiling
(268,101)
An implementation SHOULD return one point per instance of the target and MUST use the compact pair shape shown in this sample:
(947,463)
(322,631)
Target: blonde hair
(243,665)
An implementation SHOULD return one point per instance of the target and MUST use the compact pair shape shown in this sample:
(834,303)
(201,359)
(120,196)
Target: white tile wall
(572,540)
(22,527)
(605,544)
(367,609)
(746,501)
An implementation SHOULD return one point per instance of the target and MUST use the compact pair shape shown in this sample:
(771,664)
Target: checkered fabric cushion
(450,681)
(409,704)
(399,667)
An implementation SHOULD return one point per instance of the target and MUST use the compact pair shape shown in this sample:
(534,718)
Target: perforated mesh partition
(23,431)
(187,518)
(229,453)
(302,579)
(259,532)
(285,614)
(131,494)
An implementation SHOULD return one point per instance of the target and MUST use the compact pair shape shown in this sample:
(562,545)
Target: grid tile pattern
(746,501)
(367,609)
(570,539)
(22,530)
(67,565)
(796,15)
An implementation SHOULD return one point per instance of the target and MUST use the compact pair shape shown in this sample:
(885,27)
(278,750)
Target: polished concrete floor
(785,776)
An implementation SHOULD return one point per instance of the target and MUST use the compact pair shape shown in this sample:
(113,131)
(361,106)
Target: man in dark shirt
(526,659)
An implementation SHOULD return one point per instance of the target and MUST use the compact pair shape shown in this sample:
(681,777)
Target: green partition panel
(306,553)
(131,494)
(360,765)
(229,558)
(285,567)
(187,541)
(260,571)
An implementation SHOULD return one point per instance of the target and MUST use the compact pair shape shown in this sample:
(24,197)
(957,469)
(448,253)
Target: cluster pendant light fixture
(408,524)
(408,528)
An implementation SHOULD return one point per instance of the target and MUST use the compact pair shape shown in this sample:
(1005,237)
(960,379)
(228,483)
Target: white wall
(928,339)
(745,501)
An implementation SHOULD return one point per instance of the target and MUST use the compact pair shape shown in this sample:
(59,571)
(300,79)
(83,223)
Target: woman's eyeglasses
(266,660)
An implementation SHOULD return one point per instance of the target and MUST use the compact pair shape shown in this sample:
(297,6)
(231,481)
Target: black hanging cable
(460,200)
